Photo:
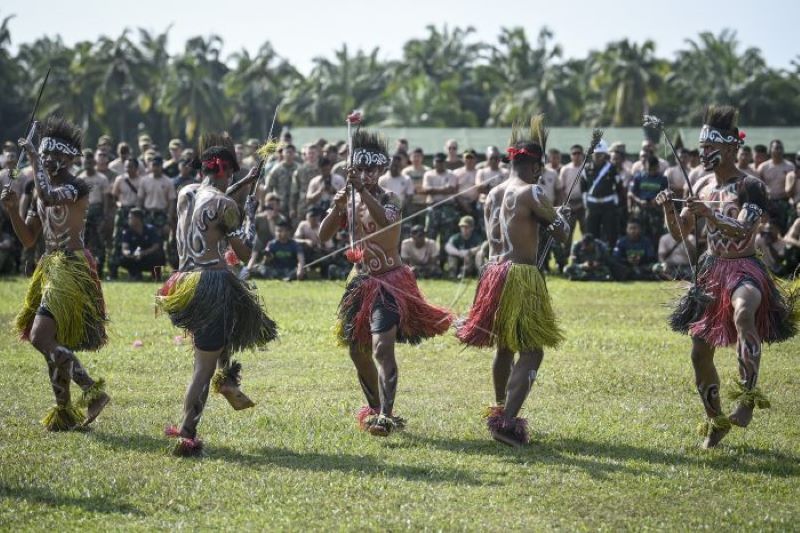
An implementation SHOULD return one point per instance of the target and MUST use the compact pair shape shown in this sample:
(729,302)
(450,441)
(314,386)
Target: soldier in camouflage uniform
(279,179)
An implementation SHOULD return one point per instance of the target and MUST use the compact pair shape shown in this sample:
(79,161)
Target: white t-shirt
(466,179)
(414,256)
(401,185)
(547,182)
(100,186)
(492,177)
(438,181)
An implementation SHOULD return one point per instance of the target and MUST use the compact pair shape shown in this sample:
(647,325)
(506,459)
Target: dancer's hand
(354,179)
(664,197)
(252,175)
(340,200)
(698,208)
(27,145)
(10,199)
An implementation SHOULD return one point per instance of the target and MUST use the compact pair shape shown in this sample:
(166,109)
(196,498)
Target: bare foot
(741,415)
(236,397)
(95,407)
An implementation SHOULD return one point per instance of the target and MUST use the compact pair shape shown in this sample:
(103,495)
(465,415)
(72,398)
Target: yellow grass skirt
(67,286)
(525,319)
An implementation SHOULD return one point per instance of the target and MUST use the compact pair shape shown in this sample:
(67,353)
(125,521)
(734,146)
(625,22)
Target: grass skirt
(512,310)
(478,328)
(66,284)
(418,319)
(709,315)
(198,300)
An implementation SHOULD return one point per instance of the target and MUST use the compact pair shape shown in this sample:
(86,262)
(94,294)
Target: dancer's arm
(336,217)
(242,238)
(741,227)
(679,225)
(543,209)
(27,230)
(383,214)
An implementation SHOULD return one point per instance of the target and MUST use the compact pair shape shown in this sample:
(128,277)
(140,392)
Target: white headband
(53,144)
(366,158)
(713,135)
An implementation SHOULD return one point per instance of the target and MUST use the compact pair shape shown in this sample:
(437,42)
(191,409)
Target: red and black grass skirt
(708,314)
(396,290)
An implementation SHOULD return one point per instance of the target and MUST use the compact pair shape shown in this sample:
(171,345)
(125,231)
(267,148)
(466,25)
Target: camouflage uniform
(279,180)
(300,181)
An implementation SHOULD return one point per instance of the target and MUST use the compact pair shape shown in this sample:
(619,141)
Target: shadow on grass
(93,504)
(593,456)
(308,461)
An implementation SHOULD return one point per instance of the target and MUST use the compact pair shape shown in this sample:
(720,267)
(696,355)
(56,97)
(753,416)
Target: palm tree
(626,76)
(713,70)
(445,60)
(254,87)
(12,80)
(335,87)
(525,79)
(193,96)
(124,87)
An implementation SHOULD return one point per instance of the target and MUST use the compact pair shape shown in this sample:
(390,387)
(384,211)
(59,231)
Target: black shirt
(609,184)
(145,240)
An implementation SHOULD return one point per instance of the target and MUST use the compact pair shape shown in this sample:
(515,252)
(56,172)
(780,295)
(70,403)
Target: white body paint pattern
(201,210)
(55,225)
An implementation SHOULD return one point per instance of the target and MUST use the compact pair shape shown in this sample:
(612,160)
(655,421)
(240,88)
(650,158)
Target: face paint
(710,159)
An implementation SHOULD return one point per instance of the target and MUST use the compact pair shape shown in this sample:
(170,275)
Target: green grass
(613,417)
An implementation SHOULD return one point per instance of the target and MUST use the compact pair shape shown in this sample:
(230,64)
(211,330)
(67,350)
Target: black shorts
(43,311)
(384,315)
(211,338)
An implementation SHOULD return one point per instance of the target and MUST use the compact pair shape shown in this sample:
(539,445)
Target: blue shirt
(627,250)
(284,254)
(647,187)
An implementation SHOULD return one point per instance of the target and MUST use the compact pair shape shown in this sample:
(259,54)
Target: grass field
(613,419)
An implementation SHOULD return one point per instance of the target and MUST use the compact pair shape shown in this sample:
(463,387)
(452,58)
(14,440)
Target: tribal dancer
(512,309)
(204,297)
(382,303)
(734,299)
(64,309)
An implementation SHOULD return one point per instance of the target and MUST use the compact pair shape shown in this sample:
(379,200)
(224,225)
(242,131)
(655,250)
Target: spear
(597,135)
(694,301)
(264,151)
(653,122)
(31,129)
(353,255)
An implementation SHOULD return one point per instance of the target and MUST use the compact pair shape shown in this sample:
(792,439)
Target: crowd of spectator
(132,213)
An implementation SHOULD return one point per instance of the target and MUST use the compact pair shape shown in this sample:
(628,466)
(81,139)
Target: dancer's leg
(707,383)
(746,300)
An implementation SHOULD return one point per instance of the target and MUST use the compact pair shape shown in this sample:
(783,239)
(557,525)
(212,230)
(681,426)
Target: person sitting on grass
(673,261)
(307,236)
(142,248)
(462,248)
(283,258)
(634,254)
(772,248)
(421,254)
(588,261)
